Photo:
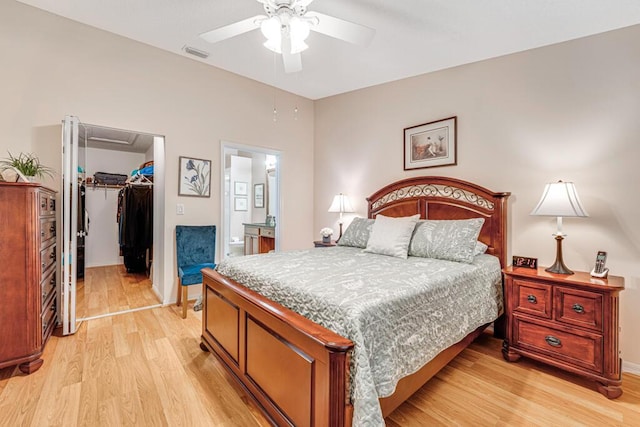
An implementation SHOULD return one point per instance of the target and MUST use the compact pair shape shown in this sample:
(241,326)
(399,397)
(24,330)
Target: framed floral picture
(430,144)
(194,177)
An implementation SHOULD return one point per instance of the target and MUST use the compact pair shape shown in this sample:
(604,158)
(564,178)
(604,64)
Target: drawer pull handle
(553,341)
(532,299)
(578,308)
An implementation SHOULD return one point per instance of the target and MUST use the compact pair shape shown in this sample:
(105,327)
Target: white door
(69,193)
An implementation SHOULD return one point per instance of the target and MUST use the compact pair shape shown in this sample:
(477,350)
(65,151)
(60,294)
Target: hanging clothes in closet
(135,219)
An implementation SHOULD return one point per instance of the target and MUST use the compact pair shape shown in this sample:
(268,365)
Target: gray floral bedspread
(400,313)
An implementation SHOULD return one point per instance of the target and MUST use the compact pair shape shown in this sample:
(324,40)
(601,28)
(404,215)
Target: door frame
(224,145)
(68,224)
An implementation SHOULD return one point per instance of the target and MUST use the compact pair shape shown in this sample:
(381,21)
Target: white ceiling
(412,36)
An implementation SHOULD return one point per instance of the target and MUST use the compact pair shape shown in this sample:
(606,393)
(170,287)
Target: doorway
(115,267)
(250,197)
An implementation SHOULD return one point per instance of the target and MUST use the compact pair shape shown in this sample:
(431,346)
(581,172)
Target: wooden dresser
(259,238)
(568,321)
(28,276)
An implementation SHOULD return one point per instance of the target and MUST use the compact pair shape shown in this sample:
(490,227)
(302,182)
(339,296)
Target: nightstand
(321,244)
(568,321)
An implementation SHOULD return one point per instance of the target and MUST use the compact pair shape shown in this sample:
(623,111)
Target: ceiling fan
(286,26)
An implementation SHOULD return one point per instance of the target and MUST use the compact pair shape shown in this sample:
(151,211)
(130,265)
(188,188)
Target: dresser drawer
(47,258)
(579,308)
(267,232)
(48,319)
(252,231)
(47,202)
(582,349)
(47,230)
(532,298)
(48,286)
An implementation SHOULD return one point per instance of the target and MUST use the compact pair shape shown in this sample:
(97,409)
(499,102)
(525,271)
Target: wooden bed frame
(298,371)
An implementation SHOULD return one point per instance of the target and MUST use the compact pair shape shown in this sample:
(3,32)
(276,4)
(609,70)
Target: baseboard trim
(631,368)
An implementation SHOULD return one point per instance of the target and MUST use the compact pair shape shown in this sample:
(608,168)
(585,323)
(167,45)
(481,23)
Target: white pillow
(391,236)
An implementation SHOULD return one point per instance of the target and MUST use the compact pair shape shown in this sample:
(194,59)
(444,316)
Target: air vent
(195,52)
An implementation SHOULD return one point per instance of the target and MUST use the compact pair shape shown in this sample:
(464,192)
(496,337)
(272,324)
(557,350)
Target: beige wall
(53,66)
(563,112)
(569,111)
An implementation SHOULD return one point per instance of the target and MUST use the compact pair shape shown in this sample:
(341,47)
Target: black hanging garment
(136,226)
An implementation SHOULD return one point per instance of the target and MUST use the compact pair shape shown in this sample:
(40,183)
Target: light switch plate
(180,209)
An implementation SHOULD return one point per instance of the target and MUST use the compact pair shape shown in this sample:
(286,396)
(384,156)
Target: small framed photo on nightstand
(525,262)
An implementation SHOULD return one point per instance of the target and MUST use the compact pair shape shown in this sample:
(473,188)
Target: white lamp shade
(560,199)
(341,204)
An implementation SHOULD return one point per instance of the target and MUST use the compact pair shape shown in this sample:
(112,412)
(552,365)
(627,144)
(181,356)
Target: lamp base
(558,267)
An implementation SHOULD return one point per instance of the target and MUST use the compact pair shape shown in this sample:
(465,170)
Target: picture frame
(258,195)
(431,144)
(240,188)
(524,262)
(240,204)
(194,177)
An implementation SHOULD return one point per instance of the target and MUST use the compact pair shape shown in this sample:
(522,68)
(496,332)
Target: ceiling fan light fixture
(298,46)
(298,33)
(273,46)
(298,29)
(271,28)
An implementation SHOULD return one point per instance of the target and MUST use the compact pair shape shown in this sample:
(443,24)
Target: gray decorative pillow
(480,248)
(452,240)
(357,233)
(391,236)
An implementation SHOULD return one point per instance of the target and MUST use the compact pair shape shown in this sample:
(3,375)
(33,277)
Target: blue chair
(195,250)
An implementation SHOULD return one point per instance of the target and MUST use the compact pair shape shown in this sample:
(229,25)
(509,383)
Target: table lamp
(559,199)
(341,204)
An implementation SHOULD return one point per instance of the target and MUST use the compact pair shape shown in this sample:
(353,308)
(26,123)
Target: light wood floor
(111,289)
(146,368)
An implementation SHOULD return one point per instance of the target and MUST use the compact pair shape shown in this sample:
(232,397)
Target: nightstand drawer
(579,308)
(581,349)
(532,298)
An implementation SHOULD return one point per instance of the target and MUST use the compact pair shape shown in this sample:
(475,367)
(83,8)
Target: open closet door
(69,193)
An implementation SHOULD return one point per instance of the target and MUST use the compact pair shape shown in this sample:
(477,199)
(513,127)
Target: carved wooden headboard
(435,197)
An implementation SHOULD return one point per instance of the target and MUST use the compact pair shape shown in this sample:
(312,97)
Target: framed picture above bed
(430,144)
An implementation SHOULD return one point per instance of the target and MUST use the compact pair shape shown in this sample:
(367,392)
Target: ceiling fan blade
(341,29)
(232,30)
(292,62)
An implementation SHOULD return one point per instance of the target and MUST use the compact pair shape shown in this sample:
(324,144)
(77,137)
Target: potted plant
(27,164)
(326,234)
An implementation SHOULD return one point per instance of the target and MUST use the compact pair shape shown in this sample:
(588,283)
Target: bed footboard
(295,370)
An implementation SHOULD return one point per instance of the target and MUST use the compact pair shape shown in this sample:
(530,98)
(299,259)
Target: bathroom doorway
(250,200)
